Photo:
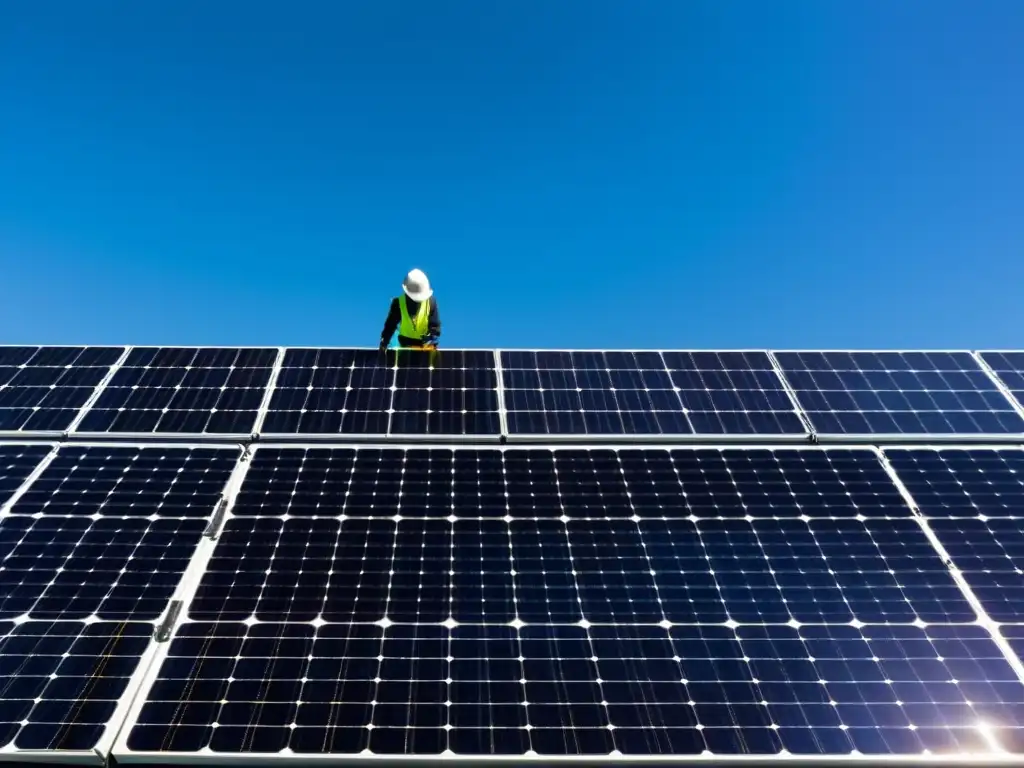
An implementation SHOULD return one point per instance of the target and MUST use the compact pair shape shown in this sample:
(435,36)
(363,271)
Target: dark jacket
(395,318)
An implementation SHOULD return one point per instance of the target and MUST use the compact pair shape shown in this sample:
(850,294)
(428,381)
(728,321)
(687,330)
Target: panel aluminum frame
(868,438)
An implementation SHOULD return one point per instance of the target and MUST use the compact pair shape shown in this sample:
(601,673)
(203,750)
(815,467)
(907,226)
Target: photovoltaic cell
(365,392)
(107,532)
(656,393)
(16,464)
(898,393)
(576,602)
(183,390)
(1009,367)
(61,681)
(42,389)
(974,502)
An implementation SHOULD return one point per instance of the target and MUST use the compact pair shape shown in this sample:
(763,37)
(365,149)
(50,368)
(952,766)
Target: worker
(414,314)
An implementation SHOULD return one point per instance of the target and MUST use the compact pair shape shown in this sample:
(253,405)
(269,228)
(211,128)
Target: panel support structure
(261,415)
(500,384)
(804,418)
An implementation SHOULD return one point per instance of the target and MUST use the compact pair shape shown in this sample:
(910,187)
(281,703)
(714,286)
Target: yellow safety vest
(414,327)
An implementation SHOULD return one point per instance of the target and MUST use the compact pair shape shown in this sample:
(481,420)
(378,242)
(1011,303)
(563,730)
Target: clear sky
(570,174)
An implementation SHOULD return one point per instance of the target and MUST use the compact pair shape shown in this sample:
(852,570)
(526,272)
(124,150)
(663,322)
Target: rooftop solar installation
(898,393)
(646,393)
(1009,367)
(575,602)
(42,389)
(974,502)
(183,390)
(322,392)
(214,555)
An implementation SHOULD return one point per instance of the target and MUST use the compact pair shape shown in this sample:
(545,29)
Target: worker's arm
(434,322)
(391,324)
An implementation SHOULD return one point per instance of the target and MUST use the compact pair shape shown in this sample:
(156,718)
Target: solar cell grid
(130,482)
(183,390)
(42,389)
(576,602)
(974,502)
(61,681)
(898,393)
(1009,367)
(645,393)
(107,532)
(558,690)
(398,393)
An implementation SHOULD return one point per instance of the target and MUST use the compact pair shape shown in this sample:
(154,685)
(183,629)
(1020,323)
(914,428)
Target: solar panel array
(215,555)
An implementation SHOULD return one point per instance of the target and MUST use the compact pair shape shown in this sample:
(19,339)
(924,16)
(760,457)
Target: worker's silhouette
(413,314)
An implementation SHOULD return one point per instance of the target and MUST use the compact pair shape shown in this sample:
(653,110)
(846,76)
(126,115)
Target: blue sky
(571,174)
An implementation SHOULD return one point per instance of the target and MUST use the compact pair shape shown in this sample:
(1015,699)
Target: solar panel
(898,393)
(646,393)
(61,683)
(363,392)
(974,502)
(475,601)
(107,532)
(1009,367)
(42,389)
(183,390)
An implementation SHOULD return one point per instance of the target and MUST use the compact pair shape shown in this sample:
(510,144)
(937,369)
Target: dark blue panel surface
(117,568)
(44,388)
(954,482)
(578,602)
(60,682)
(131,482)
(183,390)
(16,464)
(364,392)
(108,531)
(990,554)
(653,393)
(628,536)
(974,502)
(567,690)
(898,393)
(1009,367)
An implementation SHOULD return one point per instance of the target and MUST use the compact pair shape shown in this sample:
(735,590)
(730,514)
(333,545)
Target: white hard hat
(417,286)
